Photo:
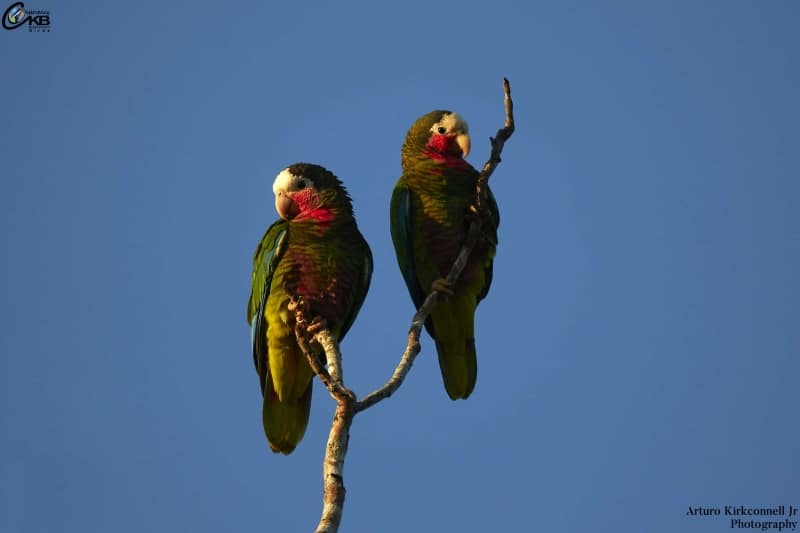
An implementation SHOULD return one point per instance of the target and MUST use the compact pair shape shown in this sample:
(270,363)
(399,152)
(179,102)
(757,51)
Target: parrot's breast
(325,274)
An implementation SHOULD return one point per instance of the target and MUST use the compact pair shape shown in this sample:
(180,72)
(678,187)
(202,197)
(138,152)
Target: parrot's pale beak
(286,207)
(462,139)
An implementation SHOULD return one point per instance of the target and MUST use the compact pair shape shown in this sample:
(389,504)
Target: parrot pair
(316,252)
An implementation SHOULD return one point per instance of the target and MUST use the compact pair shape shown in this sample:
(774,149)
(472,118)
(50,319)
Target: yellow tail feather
(453,324)
(285,421)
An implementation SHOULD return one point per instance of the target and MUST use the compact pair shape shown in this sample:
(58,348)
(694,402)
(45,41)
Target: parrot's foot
(299,307)
(443,287)
(317,323)
(483,215)
(475,213)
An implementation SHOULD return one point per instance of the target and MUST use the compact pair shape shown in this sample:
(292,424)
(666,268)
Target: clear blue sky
(638,351)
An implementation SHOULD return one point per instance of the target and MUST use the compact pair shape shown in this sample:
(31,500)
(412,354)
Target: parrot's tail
(453,323)
(459,368)
(285,422)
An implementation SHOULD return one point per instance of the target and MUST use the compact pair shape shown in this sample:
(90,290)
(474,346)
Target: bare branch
(336,449)
(333,466)
(498,141)
(339,436)
(331,348)
(413,346)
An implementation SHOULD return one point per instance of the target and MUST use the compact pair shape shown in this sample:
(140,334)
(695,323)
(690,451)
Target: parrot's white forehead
(451,122)
(283,181)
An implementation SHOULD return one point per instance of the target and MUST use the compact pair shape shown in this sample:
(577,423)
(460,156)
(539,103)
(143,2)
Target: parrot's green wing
(401,227)
(490,234)
(267,255)
(358,295)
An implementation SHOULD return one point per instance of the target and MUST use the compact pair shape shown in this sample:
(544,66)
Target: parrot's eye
(442,130)
(301,184)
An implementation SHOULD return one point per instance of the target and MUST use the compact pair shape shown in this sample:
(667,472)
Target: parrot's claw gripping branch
(299,307)
(443,287)
(481,213)
(317,324)
(316,330)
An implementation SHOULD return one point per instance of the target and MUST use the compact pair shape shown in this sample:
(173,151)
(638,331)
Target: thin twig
(498,141)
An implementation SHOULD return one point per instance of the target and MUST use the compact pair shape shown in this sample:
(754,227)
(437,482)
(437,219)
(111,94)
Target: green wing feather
(267,255)
(401,226)
(359,293)
(284,421)
(490,234)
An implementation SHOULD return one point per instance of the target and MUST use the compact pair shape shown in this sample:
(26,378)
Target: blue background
(639,347)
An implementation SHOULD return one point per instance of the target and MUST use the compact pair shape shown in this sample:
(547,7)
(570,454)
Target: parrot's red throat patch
(444,149)
(444,144)
(308,202)
(319,214)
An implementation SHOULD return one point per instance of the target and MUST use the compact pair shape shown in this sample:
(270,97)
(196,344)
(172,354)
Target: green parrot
(315,251)
(429,216)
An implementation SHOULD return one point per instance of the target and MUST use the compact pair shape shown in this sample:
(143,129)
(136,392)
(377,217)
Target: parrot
(315,252)
(430,211)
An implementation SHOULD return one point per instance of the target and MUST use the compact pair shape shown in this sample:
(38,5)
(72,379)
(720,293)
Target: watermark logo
(16,16)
